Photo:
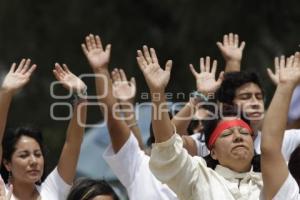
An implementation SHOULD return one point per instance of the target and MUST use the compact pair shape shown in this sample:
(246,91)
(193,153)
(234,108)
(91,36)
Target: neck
(24,191)
(239,166)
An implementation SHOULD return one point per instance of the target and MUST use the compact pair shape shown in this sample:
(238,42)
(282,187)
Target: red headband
(225,125)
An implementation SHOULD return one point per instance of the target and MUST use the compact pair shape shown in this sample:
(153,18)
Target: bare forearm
(71,149)
(276,119)
(162,126)
(118,130)
(131,122)
(183,118)
(233,66)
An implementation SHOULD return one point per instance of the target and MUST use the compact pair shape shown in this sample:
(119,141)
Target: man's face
(249,98)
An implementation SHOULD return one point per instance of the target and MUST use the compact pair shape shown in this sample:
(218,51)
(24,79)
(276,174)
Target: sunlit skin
(27,162)
(249,98)
(102,197)
(234,148)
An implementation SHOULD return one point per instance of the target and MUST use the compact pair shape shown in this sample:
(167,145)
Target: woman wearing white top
(23,157)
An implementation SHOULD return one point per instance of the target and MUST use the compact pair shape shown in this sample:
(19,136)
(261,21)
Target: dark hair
(210,125)
(11,138)
(86,188)
(294,164)
(232,81)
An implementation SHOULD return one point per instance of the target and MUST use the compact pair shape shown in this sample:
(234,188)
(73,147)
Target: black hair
(210,125)
(294,164)
(86,189)
(11,138)
(232,81)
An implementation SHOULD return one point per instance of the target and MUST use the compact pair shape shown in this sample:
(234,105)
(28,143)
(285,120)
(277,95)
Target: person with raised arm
(278,182)
(124,156)
(229,140)
(232,52)
(206,85)
(23,160)
(125,92)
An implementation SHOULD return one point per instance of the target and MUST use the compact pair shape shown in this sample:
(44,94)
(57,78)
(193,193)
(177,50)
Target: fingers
(207,64)
(153,55)
(147,54)
(242,46)
(132,81)
(21,65)
(12,68)
(31,70)
(236,40)
(214,67)
(66,68)
(231,39)
(115,76)
(202,66)
(194,72)
(141,60)
(123,75)
(296,60)
(108,49)
(270,73)
(225,40)
(98,42)
(282,62)
(168,67)
(84,49)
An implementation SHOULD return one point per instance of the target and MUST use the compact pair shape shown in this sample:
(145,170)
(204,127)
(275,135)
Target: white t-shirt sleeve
(126,161)
(289,190)
(54,187)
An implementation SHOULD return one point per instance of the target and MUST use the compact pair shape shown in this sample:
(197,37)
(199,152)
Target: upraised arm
(125,92)
(157,80)
(232,52)
(99,59)
(69,156)
(274,125)
(16,78)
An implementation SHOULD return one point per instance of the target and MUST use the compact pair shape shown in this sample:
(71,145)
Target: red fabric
(225,125)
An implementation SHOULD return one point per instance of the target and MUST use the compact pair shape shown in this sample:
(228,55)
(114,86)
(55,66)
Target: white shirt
(291,140)
(202,149)
(191,179)
(53,188)
(131,165)
(289,190)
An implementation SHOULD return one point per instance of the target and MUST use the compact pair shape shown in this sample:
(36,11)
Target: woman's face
(234,145)
(27,161)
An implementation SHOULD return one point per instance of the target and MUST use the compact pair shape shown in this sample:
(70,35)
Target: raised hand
(156,78)
(97,57)
(123,89)
(284,66)
(17,78)
(68,79)
(206,78)
(230,48)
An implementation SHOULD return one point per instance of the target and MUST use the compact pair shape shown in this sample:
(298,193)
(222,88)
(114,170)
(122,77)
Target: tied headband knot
(223,126)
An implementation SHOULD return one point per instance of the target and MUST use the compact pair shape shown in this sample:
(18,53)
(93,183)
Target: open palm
(94,52)
(230,48)
(206,79)
(123,89)
(157,79)
(17,78)
(287,68)
(68,79)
